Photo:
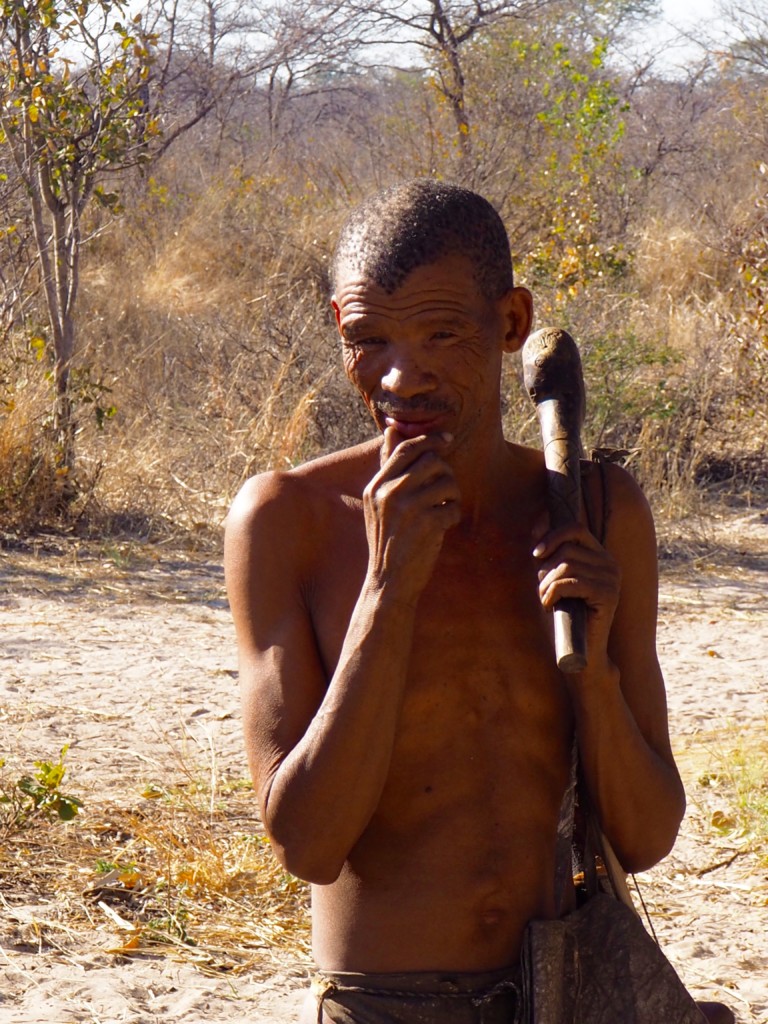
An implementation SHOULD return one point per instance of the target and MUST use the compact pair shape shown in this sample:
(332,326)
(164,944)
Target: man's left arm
(619,700)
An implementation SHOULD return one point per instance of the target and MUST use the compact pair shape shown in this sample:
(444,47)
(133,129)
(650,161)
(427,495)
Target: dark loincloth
(414,998)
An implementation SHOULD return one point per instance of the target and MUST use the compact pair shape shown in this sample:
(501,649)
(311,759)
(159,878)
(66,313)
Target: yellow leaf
(127,946)
(33,113)
(722,821)
(130,878)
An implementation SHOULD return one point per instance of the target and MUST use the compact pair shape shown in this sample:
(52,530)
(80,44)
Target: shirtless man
(407,729)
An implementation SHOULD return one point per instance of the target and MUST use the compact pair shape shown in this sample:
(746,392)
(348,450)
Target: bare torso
(459,854)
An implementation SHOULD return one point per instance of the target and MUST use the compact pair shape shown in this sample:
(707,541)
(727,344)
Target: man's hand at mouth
(409,505)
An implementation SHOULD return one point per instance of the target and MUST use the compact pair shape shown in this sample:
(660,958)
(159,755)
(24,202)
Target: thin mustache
(418,403)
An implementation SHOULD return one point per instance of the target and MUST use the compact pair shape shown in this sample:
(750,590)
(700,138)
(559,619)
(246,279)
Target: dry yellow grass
(204,310)
(676,267)
(183,872)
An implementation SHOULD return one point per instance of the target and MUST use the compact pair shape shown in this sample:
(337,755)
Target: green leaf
(32,789)
(67,807)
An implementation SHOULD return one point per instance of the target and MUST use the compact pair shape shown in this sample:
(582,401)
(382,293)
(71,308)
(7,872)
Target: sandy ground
(127,657)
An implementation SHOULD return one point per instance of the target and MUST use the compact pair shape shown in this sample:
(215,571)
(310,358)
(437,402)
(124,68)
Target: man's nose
(407,377)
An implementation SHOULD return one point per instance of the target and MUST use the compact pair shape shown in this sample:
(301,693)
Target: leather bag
(596,964)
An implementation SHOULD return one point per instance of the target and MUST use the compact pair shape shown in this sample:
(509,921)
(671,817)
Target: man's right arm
(319,749)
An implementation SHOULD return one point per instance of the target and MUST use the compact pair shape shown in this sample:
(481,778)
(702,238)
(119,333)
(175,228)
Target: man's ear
(518,313)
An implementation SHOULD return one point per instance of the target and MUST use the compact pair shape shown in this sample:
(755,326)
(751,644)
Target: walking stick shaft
(553,378)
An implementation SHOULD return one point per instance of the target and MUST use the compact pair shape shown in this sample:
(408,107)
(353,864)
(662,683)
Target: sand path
(129,656)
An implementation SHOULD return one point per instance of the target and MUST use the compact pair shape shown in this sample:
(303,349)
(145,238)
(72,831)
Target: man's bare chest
(479,621)
(484,716)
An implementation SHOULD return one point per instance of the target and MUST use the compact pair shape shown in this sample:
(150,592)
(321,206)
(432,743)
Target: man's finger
(391,440)
(412,446)
(573,533)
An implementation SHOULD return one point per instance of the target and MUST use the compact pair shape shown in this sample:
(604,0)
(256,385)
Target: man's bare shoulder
(303,493)
(626,508)
(349,469)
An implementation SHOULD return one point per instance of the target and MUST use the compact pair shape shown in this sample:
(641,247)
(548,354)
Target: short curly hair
(415,223)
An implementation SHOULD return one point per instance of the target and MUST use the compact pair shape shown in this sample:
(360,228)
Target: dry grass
(732,785)
(29,488)
(675,266)
(183,872)
(168,856)
(204,311)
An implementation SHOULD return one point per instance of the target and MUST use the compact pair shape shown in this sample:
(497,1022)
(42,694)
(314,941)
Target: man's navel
(493,903)
(492,917)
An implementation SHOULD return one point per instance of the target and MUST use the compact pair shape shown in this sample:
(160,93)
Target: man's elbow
(305,849)
(654,841)
(302,859)
(301,849)
(644,857)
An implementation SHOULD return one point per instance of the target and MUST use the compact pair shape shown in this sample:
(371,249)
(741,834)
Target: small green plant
(170,928)
(122,556)
(741,776)
(105,866)
(37,795)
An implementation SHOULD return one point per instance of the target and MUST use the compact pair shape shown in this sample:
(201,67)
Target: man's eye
(443,336)
(364,343)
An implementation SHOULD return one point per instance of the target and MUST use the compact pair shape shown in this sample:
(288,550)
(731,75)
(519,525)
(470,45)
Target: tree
(88,91)
(446,30)
(218,59)
(549,123)
(748,51)
(443,28)
(73,109)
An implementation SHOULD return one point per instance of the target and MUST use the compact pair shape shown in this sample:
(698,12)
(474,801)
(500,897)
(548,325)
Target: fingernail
(538,551)
(447,437)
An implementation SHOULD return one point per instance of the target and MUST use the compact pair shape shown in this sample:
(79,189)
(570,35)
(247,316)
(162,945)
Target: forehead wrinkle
(361,322)
(412,298)
(357,319)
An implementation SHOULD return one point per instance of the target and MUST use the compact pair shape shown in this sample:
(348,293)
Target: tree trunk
(63,421)
(451,74)
(453,90)
(58,252)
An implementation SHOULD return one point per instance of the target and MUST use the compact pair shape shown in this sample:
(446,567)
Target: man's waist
(470,928)
(413,983)
(447,997)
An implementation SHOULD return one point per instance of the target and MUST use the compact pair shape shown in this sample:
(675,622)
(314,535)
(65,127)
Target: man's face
(427,358)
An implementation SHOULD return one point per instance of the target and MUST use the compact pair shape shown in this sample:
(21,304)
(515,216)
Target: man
(407,729)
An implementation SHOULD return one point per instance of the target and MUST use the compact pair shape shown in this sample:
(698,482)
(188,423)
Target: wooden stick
(553,379)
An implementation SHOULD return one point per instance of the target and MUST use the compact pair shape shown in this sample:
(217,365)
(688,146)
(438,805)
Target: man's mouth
(412,428)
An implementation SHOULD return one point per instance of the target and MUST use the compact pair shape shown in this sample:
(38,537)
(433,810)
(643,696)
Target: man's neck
(482,467)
